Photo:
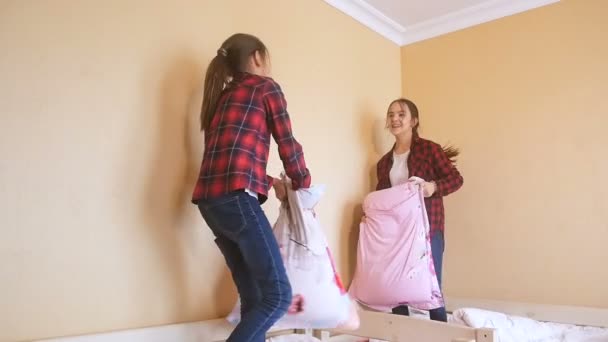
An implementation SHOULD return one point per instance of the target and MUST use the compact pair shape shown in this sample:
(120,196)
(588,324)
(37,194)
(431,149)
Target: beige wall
(99,150)
(525,99)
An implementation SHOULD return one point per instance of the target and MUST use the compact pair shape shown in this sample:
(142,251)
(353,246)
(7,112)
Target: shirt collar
(415,141)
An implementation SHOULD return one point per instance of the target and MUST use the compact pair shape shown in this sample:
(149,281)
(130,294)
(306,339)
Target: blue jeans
(437,248)
(244,236)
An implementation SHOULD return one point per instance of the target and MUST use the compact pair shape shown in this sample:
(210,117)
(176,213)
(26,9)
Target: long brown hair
(232,57)
(450,151)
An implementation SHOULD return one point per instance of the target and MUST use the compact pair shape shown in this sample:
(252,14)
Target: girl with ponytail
(242,108)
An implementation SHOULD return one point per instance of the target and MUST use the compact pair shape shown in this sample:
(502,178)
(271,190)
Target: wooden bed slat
(395,328)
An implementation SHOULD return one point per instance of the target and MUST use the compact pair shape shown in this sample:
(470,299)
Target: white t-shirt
(252,193)
(399,173)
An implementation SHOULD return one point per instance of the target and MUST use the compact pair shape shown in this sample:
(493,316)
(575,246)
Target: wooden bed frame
(395,328)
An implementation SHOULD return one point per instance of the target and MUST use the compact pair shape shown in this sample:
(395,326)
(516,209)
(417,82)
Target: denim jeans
(437,248)
(244,236)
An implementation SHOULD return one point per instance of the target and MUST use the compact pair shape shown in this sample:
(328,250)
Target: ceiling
(409,21)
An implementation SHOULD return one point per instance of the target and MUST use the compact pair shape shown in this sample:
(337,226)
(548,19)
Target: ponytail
(216,76)
(451,152)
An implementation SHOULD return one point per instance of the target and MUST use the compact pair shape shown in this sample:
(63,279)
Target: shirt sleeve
(378,176)
(279,123)
(383,169)
(382,175)
(449,178)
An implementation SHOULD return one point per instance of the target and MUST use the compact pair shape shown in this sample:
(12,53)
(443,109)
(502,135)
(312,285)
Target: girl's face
(399,119)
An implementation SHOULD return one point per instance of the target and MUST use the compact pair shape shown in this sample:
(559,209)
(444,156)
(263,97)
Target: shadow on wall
(375,143)
(224,287)
(166,207)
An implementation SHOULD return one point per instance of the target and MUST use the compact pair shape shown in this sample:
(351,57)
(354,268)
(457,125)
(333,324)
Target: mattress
(522,329)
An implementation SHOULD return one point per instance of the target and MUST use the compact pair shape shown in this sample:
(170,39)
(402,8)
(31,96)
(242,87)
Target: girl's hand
(297,305)
(280,189)
(429,188)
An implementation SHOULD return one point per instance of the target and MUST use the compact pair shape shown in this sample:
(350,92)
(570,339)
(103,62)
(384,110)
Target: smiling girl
(413,156)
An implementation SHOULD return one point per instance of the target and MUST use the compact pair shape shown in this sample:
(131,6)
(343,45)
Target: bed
(471,320)
(373,325)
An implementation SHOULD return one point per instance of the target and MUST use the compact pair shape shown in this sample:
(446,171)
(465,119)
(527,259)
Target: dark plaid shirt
(428,161)
(237,143)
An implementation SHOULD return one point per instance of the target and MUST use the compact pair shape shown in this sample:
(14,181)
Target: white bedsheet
(522,329)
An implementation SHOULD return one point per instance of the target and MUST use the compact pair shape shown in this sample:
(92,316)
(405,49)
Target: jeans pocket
(225,217)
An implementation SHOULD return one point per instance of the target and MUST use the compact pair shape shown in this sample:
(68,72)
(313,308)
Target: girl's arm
(290,150)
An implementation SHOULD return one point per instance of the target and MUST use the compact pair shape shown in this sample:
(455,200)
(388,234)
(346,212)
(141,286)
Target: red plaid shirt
(237,143)
(428,161)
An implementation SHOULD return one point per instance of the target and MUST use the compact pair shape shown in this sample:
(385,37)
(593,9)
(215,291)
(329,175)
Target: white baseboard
(212,330)
(209,331)
(578,315)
